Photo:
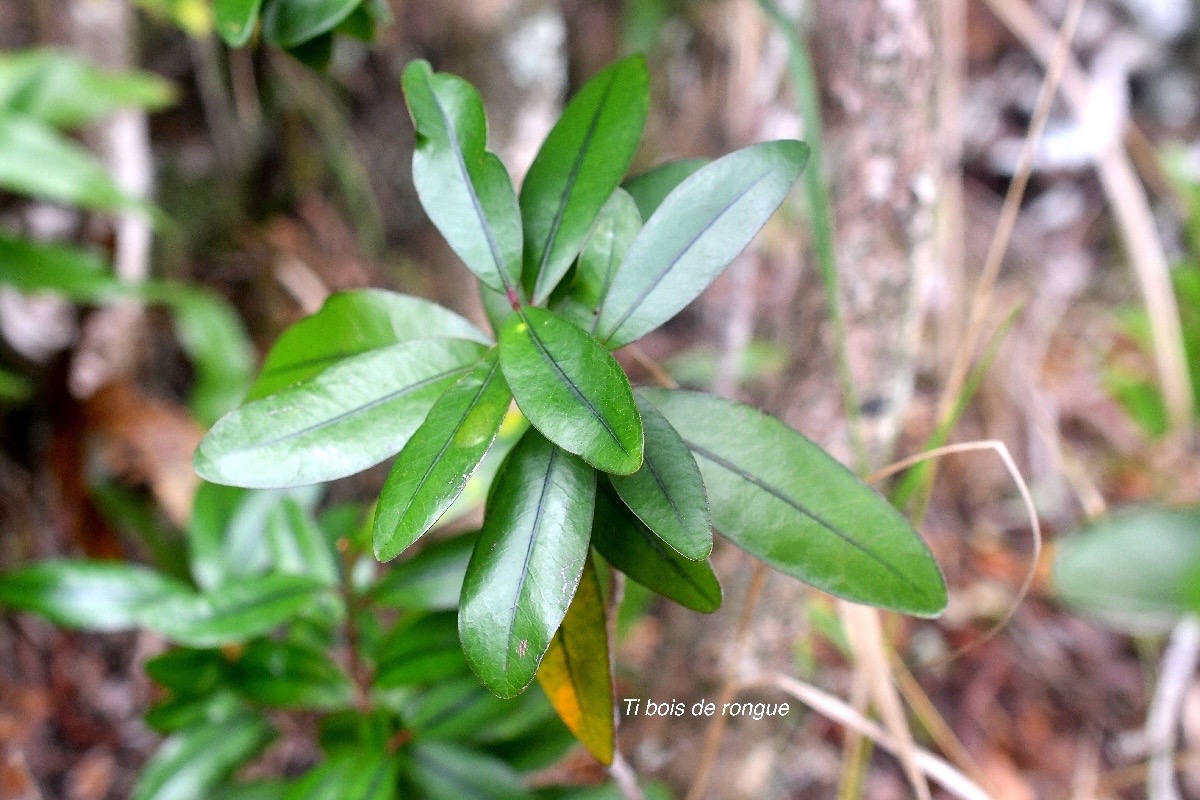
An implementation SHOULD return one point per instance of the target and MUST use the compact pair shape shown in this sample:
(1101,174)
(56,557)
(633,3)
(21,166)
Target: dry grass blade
(1131,211)
(936,769)
(1035,527)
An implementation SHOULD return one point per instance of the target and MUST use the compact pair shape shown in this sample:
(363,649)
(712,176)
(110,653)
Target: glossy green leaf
(292,23)
(184,711)
(430,580)
(290,675)
(604,249)
(1137,569)
(424,650)
(527,562)
(464,188)
(92,595)
(650,188)
(667,492)
(784,500)
(236,20)
(572,389)
(348,418)
(700,227)
(440,458)
(27,146)
(61,89)
(236,611)
(627,544)
(349,324)
(192,762)
(298,545)
(582,160)
(361,24)
(575,672)
(444,771)
(187,670)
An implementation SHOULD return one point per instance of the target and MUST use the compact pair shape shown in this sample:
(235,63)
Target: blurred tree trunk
(878,67)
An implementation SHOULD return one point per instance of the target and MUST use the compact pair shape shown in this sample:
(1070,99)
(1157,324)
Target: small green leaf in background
(235,20)
(298,545)
(444,771)
(60,89)
(14,388)
(575,672)
(290,675)
(92,595)
(257,789)
(650,188)
(236,611)
(73,272)
(526,563)
(783,499)
(582,160)
(667,492)
(603,251)
(422,650)
(78,178)
(193,761)
(187,670)
(349,775)
(627,544)
(453,709)
(430,580)
(464,188)
(697,231)
(349,324)
(348,418)
(439,459)
(293,23)
(1139,568)
(316,53)
(571,389)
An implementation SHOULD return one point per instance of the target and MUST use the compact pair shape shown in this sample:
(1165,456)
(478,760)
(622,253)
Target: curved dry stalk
(934,767)
(1035,526)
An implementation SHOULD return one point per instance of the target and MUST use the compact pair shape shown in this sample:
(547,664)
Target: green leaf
(575,672)
(424,650)
(1137,569)
(650,188)
(348,418)
(62,90)
(192,762)
(464,188)
(781,498)
(700,227)
(432,579)
(216,342)
(236,20)
(298,545)
(186,670)
(526,564)
(453,709)
(259,789)
(350,775)
(234,612)
(27,146)
(92,595)
(14,388)
(440,458)
(292,23)
(667,492)
(444,771)
(604,249)
(290,675)
(316,53)
(184,711)
(582,160)
(571,389)
(350,324)
(627,544)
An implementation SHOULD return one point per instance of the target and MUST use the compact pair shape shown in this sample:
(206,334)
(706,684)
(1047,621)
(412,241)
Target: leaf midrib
(799,507)
(533,538)
(483,387)
(544,352)
(569,189)
(465,174)
(679,256)
(362,409)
